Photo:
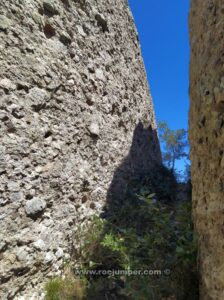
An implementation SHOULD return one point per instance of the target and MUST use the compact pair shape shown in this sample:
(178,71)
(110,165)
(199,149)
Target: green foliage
(53,289)
(69,288)
(174,144)
(143,233)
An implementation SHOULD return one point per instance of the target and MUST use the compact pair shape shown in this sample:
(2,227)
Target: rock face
(73,91)
(207,140)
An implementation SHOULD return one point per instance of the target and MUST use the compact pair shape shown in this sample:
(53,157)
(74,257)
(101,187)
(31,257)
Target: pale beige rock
(74,106)
(207,141)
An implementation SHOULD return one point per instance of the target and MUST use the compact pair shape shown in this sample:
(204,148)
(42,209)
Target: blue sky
(163,31)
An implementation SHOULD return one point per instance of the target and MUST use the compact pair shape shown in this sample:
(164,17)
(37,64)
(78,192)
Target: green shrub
(142,234)
(147,231)
(69,288)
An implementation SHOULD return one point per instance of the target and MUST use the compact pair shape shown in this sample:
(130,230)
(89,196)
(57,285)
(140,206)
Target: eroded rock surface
(207,140)
(72,91)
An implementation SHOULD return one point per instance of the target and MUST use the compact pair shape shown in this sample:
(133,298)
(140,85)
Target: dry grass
(67,288)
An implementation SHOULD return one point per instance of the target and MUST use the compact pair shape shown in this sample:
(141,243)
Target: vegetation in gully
(149,230)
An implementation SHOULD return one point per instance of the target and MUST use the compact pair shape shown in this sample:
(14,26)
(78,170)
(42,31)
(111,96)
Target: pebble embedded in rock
(40,245)
(81,31)
(13,186)
(6,83)
(49,257)
(16,196)
(50,6)
(4,22)
(35,206)
(59,253)
(100,75)
(2,245)
(94,129)
(22,254)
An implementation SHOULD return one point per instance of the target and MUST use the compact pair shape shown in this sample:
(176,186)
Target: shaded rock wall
(72,90)
(207,140)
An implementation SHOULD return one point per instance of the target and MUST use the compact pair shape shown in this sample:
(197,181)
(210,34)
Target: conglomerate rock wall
(73,90)
(207,140)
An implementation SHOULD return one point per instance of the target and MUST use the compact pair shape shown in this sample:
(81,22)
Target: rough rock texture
(207,140)
(73,91)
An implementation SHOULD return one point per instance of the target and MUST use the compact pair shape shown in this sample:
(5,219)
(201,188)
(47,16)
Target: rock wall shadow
(144,157)
(140,169)
(142,164)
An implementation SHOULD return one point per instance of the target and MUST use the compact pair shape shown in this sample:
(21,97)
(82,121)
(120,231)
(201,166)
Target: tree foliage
(174,144)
